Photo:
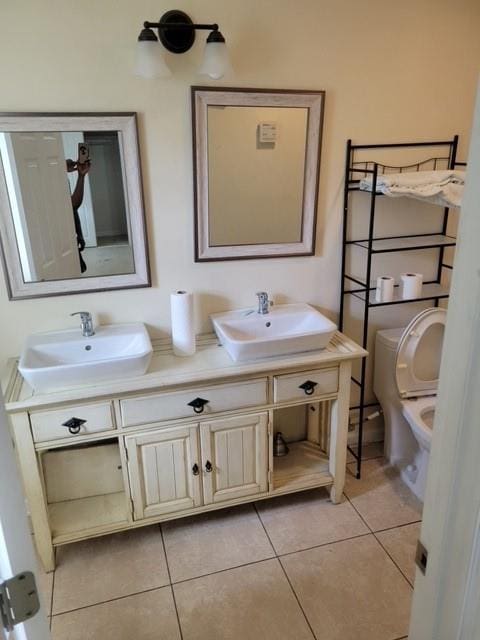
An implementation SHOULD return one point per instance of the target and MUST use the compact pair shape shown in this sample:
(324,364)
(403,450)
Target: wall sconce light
(176,32)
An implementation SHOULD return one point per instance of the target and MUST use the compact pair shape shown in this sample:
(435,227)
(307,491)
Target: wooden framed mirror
(256,155)
(71,205)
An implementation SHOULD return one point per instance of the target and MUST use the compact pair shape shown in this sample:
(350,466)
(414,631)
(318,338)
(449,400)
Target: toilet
(407,365)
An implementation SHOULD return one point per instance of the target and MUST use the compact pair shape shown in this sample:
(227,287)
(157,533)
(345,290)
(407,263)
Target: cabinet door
(234,457)
(164,470)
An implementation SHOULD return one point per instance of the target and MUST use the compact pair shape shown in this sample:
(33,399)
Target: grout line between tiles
(297,598)
(94,604)
(388,529)
(285,573)
(237,566)
(213,573)
(358,513)
(381,545)
(276,555)
(394,561)
(323,544)
(170,580)
(398,526)
(50,613)
(254,505)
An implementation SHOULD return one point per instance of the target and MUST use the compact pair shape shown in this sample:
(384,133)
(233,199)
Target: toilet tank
(384,383)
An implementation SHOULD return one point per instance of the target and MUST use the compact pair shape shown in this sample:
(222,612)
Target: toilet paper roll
(411,285)
(183,323)
(384,291)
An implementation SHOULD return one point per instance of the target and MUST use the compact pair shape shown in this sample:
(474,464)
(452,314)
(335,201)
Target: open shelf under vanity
(306,429)
(95,512)
(305,465)
(84,488)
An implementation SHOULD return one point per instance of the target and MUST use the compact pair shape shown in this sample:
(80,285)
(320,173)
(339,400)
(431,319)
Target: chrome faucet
(263,302)
(86,323)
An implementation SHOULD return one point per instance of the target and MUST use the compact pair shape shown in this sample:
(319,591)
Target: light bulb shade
(149,61)
(216,61)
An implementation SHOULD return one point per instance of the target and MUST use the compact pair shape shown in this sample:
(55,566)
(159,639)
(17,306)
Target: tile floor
(290,568)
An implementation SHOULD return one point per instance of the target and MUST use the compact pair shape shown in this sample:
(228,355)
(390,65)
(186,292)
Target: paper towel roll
(183,323)
(411,285)
(384,291)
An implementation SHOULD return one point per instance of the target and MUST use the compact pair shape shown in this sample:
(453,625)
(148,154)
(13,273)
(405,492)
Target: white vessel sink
(287,328)
(61,359)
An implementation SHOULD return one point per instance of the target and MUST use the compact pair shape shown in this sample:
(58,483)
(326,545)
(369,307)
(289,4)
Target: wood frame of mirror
(126,124)
(202,98)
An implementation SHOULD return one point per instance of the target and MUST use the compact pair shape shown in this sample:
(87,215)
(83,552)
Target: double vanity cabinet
(192,435)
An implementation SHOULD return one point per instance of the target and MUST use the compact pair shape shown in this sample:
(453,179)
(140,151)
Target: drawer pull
(198,404)
(195,469)
(74,425)
(308,386)
(208,467)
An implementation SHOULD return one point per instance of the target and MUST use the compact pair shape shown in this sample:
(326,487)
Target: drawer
(169,406)
(48,425)
(304,385)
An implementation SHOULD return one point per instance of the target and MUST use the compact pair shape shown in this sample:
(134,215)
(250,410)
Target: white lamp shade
(149,62)
(216,61)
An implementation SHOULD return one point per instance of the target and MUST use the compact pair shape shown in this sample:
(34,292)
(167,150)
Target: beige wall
(391,71)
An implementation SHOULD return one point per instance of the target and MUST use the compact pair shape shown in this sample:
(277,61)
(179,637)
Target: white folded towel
(439,187)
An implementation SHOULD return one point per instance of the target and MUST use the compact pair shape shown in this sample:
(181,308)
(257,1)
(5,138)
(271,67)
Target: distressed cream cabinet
(192,435)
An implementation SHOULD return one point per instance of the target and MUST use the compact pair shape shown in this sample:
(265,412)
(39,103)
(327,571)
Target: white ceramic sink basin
(61,359)
(287,328)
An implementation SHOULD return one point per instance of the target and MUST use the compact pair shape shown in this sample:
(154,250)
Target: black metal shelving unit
(361,288)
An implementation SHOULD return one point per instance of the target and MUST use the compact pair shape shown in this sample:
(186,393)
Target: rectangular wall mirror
(71,206)
(257,162)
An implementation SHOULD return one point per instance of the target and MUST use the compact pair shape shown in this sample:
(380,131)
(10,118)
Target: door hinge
(421,557)
(18,599)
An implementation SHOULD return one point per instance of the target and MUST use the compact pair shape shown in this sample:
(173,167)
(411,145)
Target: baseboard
(373,431)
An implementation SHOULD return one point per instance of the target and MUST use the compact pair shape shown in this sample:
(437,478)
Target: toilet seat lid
(416,374)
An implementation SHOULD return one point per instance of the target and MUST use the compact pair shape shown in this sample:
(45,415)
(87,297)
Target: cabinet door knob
(208,467)
(74,425)
(198,404)
(195,469)
(308,386)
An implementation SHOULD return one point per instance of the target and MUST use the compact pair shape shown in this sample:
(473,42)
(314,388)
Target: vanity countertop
(211,362)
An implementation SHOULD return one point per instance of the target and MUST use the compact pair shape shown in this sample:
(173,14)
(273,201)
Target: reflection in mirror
(257,159)
(68,203)
(263,147)
(72,207)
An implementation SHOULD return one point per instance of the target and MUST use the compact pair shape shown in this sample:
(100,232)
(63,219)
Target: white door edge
(16,547)
(445,603)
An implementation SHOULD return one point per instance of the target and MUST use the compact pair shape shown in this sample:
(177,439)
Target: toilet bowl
(407,364)
(419,414)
